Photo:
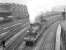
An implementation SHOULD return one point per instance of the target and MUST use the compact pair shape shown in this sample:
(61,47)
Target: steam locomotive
(32,36)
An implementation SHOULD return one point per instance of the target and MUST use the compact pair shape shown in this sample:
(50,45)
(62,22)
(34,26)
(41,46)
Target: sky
(35,7)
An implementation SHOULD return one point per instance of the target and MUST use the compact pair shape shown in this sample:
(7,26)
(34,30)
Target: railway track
(48,39)
(5,27)
(41,33)
(14,30)
(16,40)
(46,26)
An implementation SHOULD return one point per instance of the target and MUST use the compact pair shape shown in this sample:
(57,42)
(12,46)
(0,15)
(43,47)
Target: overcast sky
(36,6)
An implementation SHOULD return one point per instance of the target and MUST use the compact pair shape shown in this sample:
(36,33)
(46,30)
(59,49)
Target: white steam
(36,6)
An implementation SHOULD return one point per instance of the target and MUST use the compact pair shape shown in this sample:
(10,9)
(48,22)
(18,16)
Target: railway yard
(20,34)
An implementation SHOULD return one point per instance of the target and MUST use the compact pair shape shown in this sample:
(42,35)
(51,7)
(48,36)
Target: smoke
(35,7)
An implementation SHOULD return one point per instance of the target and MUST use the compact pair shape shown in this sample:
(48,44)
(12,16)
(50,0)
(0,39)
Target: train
(32,35)
(30,39)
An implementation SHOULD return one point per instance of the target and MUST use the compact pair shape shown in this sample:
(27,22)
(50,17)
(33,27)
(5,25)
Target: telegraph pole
(63,14)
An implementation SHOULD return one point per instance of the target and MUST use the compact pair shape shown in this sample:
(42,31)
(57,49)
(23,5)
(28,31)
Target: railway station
(19,32)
